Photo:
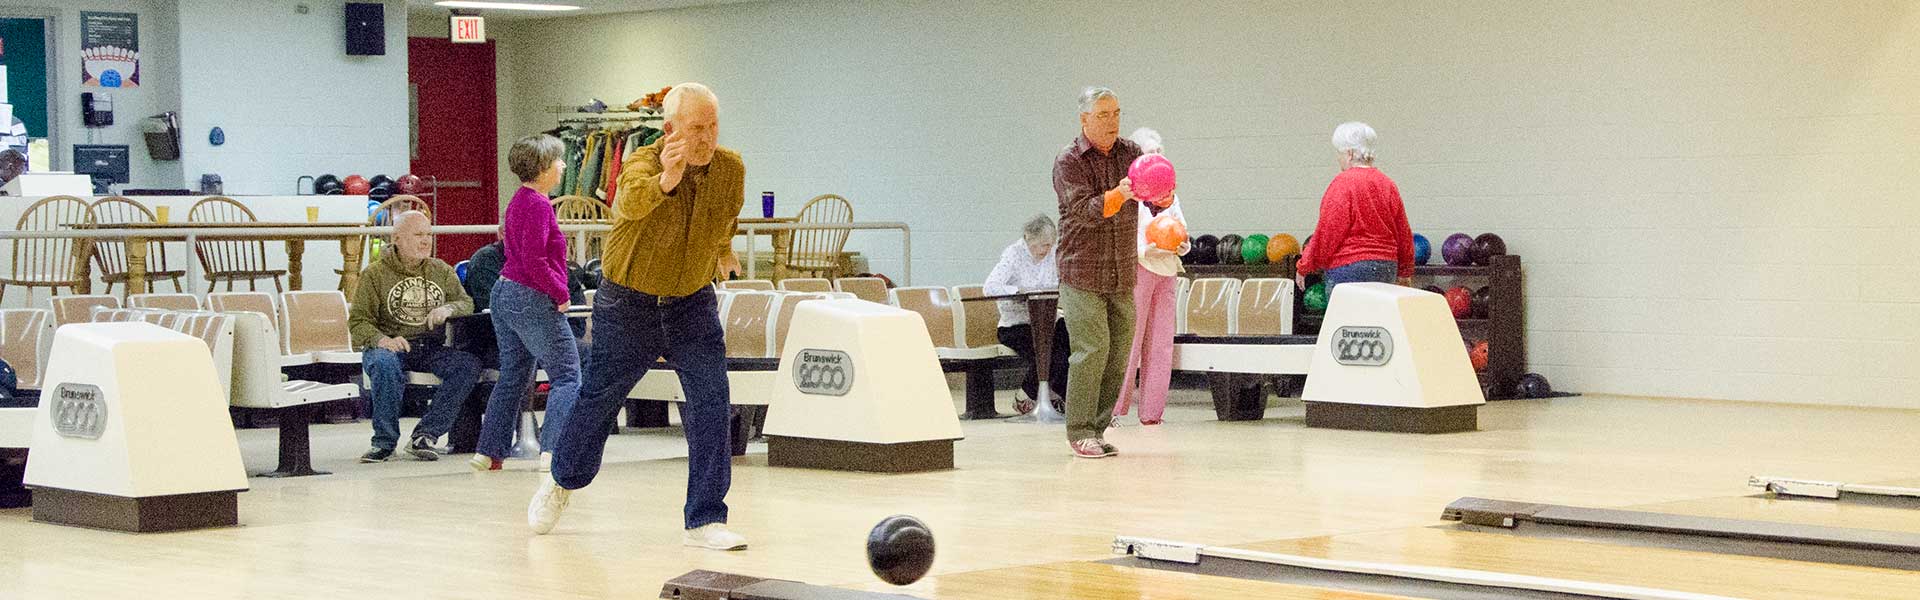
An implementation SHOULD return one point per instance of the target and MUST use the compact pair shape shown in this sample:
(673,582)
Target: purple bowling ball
(1457,250)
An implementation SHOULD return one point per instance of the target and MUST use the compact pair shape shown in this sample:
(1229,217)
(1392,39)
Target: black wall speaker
(366,29)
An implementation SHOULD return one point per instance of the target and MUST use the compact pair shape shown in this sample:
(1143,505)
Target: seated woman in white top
(1028,265)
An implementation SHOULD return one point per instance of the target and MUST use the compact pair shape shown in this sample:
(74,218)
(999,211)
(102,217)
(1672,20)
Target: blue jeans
(631,331)
(387,379)
(526,328)
(1382,271)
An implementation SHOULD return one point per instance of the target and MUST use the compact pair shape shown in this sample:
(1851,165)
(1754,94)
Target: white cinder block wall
(1714,199)
(290,99)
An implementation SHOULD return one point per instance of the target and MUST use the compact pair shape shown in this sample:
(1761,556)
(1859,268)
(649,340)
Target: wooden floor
(1674,570)
(1018,518)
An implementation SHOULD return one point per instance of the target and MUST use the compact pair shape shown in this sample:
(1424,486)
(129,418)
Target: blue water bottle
(766,204)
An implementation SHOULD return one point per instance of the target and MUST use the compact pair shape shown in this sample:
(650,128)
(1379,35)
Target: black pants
(1020,339)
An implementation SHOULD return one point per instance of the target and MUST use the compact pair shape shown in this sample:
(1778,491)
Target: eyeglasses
(1107,116)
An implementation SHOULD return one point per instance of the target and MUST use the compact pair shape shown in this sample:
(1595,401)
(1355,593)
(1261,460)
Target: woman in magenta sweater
(1363,233)
(529,304)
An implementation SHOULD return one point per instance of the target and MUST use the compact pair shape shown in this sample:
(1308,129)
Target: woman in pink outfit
(1150,364)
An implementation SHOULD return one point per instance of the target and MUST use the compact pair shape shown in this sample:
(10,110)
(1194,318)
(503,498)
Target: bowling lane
(1676,570)
(1095,580)
(1803,511)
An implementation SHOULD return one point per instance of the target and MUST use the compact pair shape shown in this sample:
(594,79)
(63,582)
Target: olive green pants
(1100,328)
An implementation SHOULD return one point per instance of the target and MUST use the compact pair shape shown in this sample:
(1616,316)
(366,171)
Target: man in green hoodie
(402,300)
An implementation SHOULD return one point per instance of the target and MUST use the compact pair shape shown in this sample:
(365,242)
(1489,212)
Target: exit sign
(468,30)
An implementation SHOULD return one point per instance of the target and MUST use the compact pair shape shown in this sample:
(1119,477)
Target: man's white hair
(670,107)
(1147,139)
(1093,94)
(411,215)
(1355,139)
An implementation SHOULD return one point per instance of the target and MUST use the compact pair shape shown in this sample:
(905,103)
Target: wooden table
(296,241)
(782,241)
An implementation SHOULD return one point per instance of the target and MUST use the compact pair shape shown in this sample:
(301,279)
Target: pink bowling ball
(1152,178)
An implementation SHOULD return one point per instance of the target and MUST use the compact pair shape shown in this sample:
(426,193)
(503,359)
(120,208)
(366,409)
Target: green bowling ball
(1316,297)
(1253,250)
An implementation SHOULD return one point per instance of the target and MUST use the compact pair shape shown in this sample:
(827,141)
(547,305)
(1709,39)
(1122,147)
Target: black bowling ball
(1485,247)
(1205,250)
(900,549)
(1533,385)
(1229,249)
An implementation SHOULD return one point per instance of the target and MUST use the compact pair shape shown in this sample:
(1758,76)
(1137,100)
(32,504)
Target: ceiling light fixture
(505,5)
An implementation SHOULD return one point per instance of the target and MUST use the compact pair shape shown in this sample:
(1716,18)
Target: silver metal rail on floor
(1743,537)
(1192,554)
(1830,490)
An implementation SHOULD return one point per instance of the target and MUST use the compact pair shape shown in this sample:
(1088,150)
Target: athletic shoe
(377,455)
(422,448)
(483,463)
(1023,404)
(546,462)
(1105,447)
(714,536)
(1088,448)
(1149,422)
(547,504)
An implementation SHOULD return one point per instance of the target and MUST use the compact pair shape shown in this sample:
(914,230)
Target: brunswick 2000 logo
(79,411)
(1362,346)
(823,372)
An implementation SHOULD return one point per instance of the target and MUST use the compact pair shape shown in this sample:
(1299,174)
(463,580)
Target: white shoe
(546,462)
(483,463)
(548,502)
(714,536)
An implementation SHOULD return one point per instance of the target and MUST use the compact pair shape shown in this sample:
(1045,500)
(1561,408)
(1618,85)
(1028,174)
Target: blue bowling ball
(1422,249)
(9,381)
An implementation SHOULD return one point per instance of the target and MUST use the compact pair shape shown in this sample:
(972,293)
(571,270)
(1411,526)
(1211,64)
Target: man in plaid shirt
(1097,253)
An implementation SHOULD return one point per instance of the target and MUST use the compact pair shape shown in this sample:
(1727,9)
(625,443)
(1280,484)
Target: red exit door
(454,137)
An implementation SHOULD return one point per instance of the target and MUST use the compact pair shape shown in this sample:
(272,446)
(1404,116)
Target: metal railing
(580,231)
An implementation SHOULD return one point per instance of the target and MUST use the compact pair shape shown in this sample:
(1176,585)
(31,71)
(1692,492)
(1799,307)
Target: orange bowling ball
(1166,232)
(1280,246)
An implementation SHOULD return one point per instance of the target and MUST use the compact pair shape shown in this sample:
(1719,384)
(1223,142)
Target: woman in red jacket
(1363,233)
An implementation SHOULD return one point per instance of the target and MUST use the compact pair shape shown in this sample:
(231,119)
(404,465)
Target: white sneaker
(483,463)
(546,463)
(714,536)
(544,511)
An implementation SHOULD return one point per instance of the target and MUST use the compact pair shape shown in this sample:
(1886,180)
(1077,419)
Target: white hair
(670,107)
(1147,139)
(1355,139)
(411,215)
(1038,228)
(1093,94)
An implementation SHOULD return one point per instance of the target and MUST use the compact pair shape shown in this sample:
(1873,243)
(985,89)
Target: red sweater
(1361,218)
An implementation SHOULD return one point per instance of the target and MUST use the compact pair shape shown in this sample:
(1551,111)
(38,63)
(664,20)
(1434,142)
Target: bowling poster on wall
(109,49)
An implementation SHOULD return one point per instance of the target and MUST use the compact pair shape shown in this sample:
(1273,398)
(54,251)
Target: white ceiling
(587,7)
